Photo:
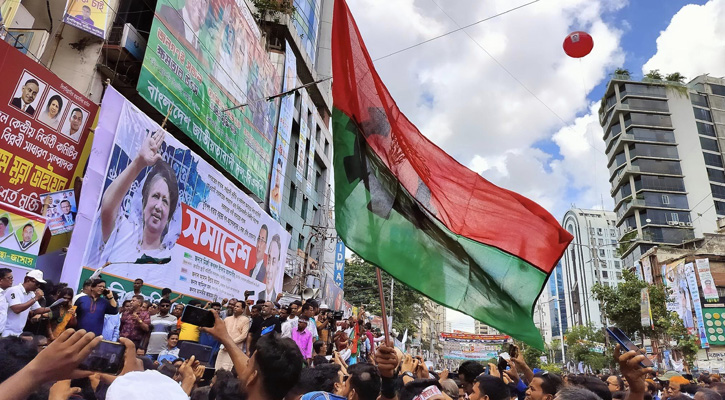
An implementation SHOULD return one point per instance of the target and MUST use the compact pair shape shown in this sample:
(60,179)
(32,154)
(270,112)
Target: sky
(504,99)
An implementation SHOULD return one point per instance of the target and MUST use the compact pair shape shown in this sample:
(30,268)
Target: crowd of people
(263,351)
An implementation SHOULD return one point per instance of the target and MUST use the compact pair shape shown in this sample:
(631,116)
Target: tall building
(665,162)
(590,258)
(480,328)
(550,310)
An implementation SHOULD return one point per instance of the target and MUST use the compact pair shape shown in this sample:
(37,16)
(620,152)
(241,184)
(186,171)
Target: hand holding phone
(107,357)
(627,344)
(198,316)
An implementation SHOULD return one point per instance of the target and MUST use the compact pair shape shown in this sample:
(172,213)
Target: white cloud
(693,43)
(467,104)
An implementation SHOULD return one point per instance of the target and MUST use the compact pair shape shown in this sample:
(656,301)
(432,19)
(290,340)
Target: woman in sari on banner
(144,233)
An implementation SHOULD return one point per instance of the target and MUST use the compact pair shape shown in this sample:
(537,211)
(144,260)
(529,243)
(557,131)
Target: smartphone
(199,351)
(207,377)
(248,293)
(505,356)
(107,358)
(627,344)
(197,316)
(513,351)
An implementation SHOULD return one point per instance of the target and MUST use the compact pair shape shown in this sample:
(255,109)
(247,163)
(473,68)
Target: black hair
(365,379)
(138,279)
(597,386)
(317,346)
(86,7)
(165,291)
(97,282)
(174,332)
(325,377)
(493,387)
(216,304)
(164,301)
(470,370)
(260,302)
(305,384)
(29,224)
(709,394)
(194,302)
(257,307)
(87,283)
(5,221)
(307,306)
(279,362)
(619,395)
(165,172)
(576,393)
(416,387)
(66,291)
(5,272)
(56,98)
(298,303)
(76,110)
(227,387)
(690,389)
(200,393)
(319,360)
(139,297)
(31,81)
(551,383)
(17,353)
(368,326)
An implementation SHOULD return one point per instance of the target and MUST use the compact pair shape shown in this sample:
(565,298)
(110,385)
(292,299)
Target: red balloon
(578,44)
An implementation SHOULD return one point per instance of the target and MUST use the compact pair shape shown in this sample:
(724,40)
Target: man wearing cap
(303,338)
(23,301)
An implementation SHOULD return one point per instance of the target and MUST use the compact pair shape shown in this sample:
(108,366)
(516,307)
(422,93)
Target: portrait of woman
(144,231)
(50,115)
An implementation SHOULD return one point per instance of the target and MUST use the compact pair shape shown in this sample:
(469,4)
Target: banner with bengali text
(284,133)
(20,235)
(708,284)
(467,346)
(159,212)
(696,303)
(87,15)
(311,155)
(44,125)
(204,58)
(302,143)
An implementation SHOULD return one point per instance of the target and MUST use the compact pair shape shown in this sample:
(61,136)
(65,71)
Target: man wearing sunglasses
(22,302)
(161,325)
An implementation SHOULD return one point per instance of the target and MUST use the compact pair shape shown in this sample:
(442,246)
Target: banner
(303,137)
(61,212)
(647,270)
(645,311)
(708,284)
(638,270)
(340,264)
(695,295)
(715,325)
(159,212)
(471,347)
(679,300)
(332,295)
(206,59)
(20,235)
(87,15)
(43,128)
(284,133)
(311,156)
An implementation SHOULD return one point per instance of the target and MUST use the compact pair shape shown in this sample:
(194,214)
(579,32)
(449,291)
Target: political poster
(311,155)
(209,69)
(340,264)
(20,235)
(714,318)
(466,346)
(680,299)
(284,132)
(647,270)
(87,15)
(61,212)
(155,210)
(708,284)
(645,311)
(332,295)
(696,305)
(302,143)
(44,125)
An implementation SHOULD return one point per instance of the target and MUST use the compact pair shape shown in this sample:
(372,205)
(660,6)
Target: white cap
(324,306)
(37,275)
(149,384)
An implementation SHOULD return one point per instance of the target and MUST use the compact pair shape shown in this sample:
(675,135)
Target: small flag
(406,206)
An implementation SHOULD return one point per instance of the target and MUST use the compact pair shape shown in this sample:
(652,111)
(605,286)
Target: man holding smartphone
(91,309)
(23,301)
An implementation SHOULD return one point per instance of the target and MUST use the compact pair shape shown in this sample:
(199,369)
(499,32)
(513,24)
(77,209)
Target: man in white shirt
(85,291)
(137,286)
(22,301)
(6,280)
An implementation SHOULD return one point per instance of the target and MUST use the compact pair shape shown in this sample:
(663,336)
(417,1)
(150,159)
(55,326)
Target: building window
(318,179)
(602,253)
(592,231)
(619,276)
(289,230)
(709,144)
(706,129)
(605,274)
(674,217)
(327,148)
(600,232)
(301,242)
(718,191)
(716,175)
(613,232)
(297,152)
(617,265)
(305,204)
(698,100)
(601,242)
(717,89)
(292,195)
(665,199)
(720,207)
(713,160)
(314,213)
(702,114)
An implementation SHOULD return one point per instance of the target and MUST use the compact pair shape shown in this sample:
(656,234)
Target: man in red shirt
(135,322)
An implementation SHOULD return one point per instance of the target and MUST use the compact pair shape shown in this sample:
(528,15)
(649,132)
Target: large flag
(405,205)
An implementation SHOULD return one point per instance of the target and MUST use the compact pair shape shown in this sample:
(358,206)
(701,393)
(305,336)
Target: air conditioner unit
(682,224)
(688,223)
(30,42)
(671,222)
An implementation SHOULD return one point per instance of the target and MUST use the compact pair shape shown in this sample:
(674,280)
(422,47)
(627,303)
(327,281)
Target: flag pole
(382,307)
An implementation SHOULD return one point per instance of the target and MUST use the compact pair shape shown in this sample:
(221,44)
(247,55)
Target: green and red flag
(406,206)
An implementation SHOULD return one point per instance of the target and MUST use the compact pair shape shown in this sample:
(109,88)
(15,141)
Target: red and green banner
(405,205)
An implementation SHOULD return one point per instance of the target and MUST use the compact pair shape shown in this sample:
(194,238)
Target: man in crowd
(69,217)
(303,338)
(467,373)
(73,128)
(91,309)
(6,280)
(169,352)
(308,310)
(85,291)
(161,325)
(323,324)
(264,325)
(135,323)
(544,386)
(22,302)
(137,286)
(27,97)
(112,323)
(177,311)
(238,328)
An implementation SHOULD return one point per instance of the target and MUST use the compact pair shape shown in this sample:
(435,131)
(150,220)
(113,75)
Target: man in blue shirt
(91,309)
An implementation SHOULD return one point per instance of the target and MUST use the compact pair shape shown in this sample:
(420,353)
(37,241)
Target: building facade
(665,160)
(479,328)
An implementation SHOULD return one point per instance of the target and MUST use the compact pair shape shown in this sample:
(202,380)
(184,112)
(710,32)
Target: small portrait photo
(52,110)
(6,226)
(73,122)
(26,236)
(28,93)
